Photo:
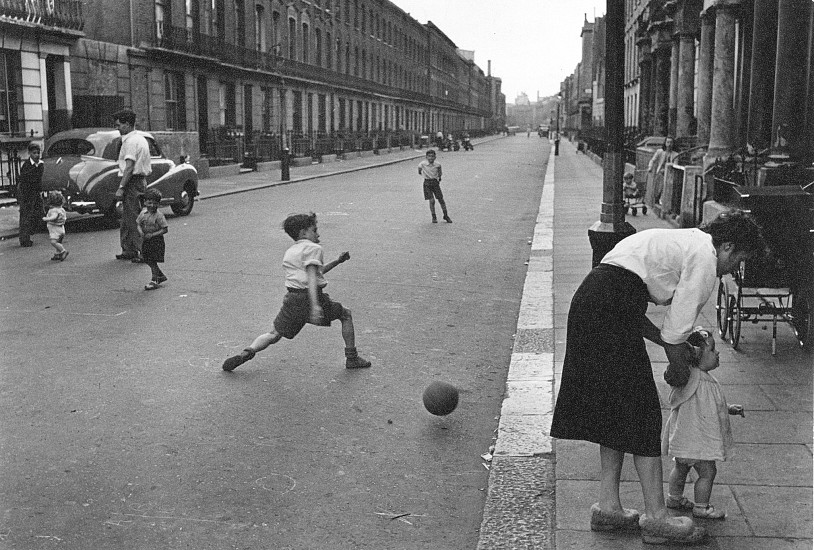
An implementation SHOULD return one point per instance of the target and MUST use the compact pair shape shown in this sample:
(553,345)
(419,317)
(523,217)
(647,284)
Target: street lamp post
(612,227)
(557,131)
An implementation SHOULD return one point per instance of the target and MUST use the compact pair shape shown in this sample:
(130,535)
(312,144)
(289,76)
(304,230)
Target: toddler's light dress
(698,427)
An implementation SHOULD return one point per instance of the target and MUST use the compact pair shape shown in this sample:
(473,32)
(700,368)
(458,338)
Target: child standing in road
(697,433)
(55,219)
(152,226)
(28,194)
(305,302)
(431,171)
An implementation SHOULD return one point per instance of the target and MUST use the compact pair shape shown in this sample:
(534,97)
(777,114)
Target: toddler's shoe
(63,255)
(707,511)
(56,256)
(679,503)
(626,520)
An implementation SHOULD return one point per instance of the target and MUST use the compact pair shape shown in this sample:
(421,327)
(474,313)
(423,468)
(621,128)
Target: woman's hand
(680,358)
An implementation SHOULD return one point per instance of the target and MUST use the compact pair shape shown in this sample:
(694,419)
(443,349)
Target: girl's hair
(55,198)
(151,194)
(295,223)
(739,228)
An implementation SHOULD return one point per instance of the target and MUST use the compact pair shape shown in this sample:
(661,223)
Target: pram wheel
(644,210)
(633,210)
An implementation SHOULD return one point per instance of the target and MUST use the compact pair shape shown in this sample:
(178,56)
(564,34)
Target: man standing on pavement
(134,167)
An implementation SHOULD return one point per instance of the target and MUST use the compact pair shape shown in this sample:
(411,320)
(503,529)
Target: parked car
(82,165)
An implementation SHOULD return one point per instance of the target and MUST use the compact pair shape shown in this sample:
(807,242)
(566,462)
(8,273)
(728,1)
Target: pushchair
(633,197)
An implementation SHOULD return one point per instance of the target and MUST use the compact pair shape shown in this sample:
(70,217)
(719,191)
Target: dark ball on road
(440,398)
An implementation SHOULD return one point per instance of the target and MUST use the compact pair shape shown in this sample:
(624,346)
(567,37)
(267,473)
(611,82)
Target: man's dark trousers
(131,207)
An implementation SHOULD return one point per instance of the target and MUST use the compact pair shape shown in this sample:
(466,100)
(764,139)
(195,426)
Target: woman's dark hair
(664,145)
(296,223)
(739,228)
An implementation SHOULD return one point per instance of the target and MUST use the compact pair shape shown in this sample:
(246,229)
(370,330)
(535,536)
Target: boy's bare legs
(260,343)
(352,359)
(444,210)
(432,210)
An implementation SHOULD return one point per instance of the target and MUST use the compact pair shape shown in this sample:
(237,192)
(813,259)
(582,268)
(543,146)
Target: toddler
(630,189)
(55,219)
(697,433)
(152,226)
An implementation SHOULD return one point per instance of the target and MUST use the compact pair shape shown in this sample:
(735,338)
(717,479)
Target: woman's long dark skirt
(607,394)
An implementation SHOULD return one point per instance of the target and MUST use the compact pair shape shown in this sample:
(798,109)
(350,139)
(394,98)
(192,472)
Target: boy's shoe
(26,244)
(152,285)
(161,279)
(63,255)
(434,220)
(356,363)
(236,360)
(447,219)
(56,256)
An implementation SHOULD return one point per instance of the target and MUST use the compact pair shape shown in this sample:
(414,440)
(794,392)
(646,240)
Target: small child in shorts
(305,302)
(55,220)
(431,171)
(152,226)
(697,433)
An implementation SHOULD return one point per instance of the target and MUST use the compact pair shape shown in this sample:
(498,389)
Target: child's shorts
(432,187)
(296,312)
(152,250)
(56,232)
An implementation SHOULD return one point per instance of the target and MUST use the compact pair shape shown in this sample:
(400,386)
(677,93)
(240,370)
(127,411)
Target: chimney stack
(489,68)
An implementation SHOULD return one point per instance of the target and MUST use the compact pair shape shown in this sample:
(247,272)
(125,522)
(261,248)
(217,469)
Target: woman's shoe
(707,511)
(152,285)
(671,530)
(625,520)
(679,503)
(161,279)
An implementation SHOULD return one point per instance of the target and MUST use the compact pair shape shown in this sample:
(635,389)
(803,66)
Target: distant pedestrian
(697,433)
(55,219)
(152,226)
(431,171)
(29,196)
(305,302)
(134,167)
(657,167)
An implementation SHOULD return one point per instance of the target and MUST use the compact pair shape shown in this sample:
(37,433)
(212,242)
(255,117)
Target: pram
(634,200)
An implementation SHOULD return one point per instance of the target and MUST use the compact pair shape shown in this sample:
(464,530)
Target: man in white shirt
(134,167)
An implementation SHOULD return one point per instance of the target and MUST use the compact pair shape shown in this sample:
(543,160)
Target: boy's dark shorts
(296,311)
(432,187)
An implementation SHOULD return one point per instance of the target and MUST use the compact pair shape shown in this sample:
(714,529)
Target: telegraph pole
(612,227)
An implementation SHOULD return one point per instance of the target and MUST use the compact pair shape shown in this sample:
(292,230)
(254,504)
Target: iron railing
(66,14)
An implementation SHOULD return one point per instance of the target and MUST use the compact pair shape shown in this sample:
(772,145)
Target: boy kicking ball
(305,301)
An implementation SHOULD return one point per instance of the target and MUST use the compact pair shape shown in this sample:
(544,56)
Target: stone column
(705,69)
(722,126)
(44,95)
(661,106)
(761,86)
(791,72)
(645,85)
(674,62)
(686,77)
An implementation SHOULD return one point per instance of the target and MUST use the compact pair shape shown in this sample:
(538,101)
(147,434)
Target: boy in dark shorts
(305,301)
(431,171)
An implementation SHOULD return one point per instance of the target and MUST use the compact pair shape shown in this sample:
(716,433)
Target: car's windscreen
(93,145)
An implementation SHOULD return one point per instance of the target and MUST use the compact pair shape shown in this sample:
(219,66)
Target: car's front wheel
(183,206)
